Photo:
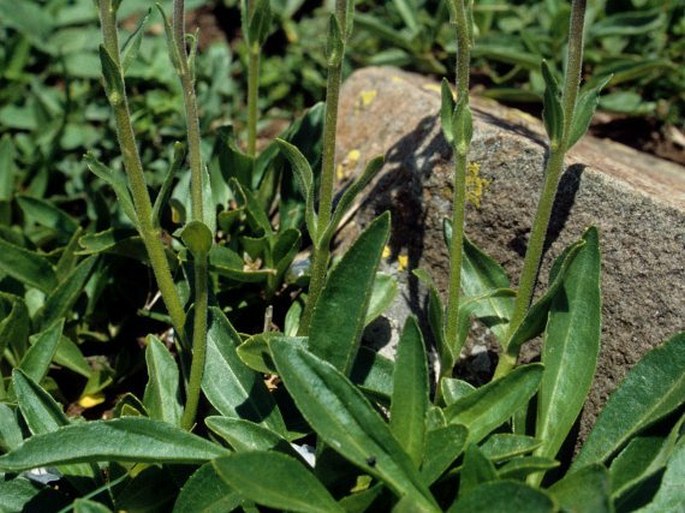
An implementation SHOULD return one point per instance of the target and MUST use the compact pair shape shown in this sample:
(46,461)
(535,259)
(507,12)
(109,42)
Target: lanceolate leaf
(15,326)
(443,446)
(536,318)
(230,386)
(481,275)
(410,392)
(553,113)
(652,389)
(47,214)
(26,266)
(491,405)
(346,421)
(446,111)
(206,492)
(277,481)
(117,181)
(162,391)
(243,435)
(570,348)
(37,359)
(504,497)
(43,415)
(40,411)
(135,439)
(476,470)
(585,108)
(348,197)
(586,491)
(671,494)
(338,318)
(303,172)
(62,299)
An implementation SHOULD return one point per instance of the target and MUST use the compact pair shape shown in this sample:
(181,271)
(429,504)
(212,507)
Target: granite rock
(636,201)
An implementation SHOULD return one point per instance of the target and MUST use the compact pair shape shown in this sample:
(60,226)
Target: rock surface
(637,202)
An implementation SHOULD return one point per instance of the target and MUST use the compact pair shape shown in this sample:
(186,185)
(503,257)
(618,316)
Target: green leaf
(570,348)
(436,315)
(256,216)
(60,301)
(372,373)
(255,352)
(523,466)
(348,197)
(338,317)
(476,470)
(130,49)
(113,79)
(443,446)
(36,361)
(88,506)
(198,238)
(16,324)
(40,411)
(43,415)
(26,266)
(503,446)
(117,181)
(305,176)
(634,406)
(346,421)
(48,215)
(243,435)
(134,439)
(410,392)
(553,112)
(585,491)
(231,387)
(503,497)
(446,111)
(462,125)
(535,321)
(277,481)
(335,46)
(20,494)
(453,389)
(165,190)
(480,275)
(671,493)
(69,355)
(260,22)
(10,431)
(491,405)
(585,108)
(172,47)
(641,459)
(206,492)
(162,392)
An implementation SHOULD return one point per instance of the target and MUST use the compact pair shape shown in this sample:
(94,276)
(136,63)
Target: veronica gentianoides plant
(198,232)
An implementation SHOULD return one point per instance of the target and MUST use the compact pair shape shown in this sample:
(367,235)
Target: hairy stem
(321,253)
(199,344)
(553,172)
(134,171)
(252,96)
(459,198)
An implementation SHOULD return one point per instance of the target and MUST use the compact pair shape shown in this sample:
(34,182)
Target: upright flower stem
(134,171)
(321,252)
(459,198)
(199,337)
(253,51)
(553,171)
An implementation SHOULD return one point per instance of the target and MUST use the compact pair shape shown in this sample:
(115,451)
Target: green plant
(349,430)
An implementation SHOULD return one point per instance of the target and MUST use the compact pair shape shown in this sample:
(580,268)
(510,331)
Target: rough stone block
(636,201)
